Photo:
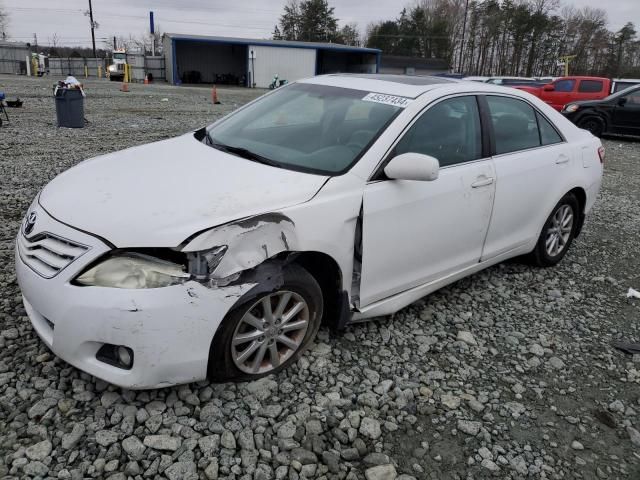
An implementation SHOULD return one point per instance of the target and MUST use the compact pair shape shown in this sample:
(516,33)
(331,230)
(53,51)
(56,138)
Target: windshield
(120,56)
(313,128)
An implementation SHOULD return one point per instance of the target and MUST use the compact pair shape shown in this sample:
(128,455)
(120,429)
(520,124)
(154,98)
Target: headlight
(134,270)
(572,107)
(112,68)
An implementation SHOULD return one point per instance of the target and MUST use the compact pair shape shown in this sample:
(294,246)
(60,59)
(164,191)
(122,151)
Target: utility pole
(114,42)
(93,26)
(464,30)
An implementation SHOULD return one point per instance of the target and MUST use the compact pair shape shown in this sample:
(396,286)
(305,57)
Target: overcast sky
(241,18)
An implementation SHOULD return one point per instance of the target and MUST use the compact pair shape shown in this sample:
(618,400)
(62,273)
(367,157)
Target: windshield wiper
(242,152)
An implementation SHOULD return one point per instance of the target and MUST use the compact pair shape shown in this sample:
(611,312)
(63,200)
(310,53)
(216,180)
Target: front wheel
(267,333)
(594,125)
(558,232)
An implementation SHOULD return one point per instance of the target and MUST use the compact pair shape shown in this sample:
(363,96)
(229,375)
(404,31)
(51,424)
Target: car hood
(157,195)
(587,103)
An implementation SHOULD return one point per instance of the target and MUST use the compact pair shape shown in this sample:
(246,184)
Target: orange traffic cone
(146,79)
(124,87)
(214,96)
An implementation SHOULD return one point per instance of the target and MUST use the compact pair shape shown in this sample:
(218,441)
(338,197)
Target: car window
(564,85)
(590,86)
(633,98)
(548,134)
(448,131)
(514,124)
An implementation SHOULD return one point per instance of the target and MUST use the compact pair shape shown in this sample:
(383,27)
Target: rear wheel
(267,333)
(558,232)
(593,124)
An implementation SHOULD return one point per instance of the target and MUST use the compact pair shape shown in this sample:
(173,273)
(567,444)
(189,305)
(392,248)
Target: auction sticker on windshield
(387,99)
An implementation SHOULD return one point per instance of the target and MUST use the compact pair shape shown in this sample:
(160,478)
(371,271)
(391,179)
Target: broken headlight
(134,270)
(202,264)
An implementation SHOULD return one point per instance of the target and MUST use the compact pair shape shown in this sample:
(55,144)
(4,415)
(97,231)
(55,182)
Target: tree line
(501,37)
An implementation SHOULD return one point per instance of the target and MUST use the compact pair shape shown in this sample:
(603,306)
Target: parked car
(508,81)
(618,84)
(476,79)
(334,199)
(617,114)
(570,89)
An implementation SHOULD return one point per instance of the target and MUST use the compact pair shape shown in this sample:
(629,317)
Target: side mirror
(622,101)
(413,166)
(548,87)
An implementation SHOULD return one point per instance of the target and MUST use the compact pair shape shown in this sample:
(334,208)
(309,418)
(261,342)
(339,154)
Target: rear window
(514,124)
(590,86)
(564,85)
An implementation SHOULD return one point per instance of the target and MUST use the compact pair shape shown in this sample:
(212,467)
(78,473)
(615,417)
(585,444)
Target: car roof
(409,86)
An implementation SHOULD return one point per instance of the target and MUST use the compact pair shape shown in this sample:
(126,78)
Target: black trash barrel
(70,107)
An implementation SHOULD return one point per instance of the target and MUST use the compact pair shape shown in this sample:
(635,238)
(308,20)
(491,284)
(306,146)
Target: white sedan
(219,253)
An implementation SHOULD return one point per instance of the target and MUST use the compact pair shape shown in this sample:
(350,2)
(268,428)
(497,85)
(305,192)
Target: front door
(415,232)
(626,117)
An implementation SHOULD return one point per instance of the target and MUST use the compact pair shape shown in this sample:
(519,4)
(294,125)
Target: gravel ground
(506,374)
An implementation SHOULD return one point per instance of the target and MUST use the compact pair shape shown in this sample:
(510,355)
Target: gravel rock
(162,442)
(39,451)
(467,337)
(381,472)
(134,447)
(541,373)
(370,428)
(469,427)
(106,437)
(634,436)
(181,471)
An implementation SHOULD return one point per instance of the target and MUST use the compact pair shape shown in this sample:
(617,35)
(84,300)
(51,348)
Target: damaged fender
(249,242)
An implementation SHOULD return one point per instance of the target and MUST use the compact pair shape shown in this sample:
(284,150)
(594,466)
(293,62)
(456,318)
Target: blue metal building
(247,62)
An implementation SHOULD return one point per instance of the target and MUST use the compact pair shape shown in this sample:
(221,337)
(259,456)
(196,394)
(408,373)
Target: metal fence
(139,67)
(76,66)
(13,57)
(155,67)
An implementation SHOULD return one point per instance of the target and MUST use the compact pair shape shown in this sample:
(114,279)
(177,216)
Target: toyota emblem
(30,222)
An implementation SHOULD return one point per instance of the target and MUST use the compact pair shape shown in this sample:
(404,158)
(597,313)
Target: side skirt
(390,305)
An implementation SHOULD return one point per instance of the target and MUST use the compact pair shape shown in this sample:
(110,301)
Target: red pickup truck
(570,89)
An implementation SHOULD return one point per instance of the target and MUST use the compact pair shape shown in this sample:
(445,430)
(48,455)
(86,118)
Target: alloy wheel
(559,231)
(270,332)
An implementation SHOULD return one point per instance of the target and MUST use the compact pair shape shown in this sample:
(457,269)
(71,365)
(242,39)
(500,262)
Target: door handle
(483,182)
(562,159)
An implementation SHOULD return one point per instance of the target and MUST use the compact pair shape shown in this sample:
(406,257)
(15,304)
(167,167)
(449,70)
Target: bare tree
(4,23)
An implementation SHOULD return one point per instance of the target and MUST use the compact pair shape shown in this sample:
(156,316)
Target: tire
(548,252)
(593,124)
(226,360)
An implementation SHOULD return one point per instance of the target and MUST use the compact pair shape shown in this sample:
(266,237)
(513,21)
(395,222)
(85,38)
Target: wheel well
(595,115)
(581,196)
(327,273)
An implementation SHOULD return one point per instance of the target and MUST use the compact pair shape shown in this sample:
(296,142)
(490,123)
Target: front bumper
(169,329)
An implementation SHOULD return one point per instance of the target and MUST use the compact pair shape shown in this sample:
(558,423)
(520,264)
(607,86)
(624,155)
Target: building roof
(398,61)
(271,43)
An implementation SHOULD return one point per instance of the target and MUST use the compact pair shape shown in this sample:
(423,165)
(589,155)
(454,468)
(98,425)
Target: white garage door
(289,63)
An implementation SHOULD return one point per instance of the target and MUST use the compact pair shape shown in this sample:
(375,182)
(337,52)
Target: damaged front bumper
(168,330)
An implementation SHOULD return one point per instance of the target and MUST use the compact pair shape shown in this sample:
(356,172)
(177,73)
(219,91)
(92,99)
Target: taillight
(601,153)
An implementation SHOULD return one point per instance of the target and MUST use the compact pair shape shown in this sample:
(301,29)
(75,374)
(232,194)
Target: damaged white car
(332,200)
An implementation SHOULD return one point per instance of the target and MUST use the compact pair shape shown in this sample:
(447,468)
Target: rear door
(591,90)
(531,159)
